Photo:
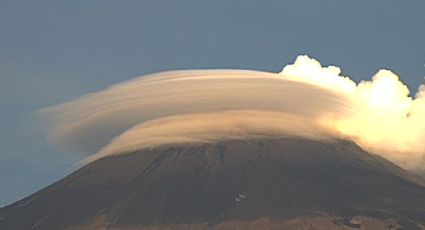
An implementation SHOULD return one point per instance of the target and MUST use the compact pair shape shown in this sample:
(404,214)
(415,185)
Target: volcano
(262,183)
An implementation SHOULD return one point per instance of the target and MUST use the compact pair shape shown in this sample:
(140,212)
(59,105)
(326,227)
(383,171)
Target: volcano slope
(282,183)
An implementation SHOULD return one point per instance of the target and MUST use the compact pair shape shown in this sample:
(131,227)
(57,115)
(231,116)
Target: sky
(54,51)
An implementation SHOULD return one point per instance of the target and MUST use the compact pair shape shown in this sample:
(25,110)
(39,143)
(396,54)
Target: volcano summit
(283,183)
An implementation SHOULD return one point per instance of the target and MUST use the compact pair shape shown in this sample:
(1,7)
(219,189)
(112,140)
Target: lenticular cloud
(304,99)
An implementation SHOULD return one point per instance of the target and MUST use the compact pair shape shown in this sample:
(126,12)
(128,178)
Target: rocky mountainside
(286,183)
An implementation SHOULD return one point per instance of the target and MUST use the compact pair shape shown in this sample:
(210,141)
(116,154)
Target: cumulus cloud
(305,99)
(386,120)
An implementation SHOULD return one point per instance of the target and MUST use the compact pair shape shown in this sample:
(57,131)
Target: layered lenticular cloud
(305,100)
(93,121)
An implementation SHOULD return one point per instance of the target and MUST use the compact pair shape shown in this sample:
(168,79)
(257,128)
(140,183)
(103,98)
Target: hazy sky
(53,51)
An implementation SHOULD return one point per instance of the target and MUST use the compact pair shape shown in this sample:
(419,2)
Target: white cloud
(305,99)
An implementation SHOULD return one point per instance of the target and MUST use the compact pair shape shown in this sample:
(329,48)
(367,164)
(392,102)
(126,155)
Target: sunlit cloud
(305,99)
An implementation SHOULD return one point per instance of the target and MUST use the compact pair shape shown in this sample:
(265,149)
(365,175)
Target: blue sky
(53,51)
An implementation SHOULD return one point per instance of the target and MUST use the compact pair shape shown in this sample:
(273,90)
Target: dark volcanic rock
(232,182)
